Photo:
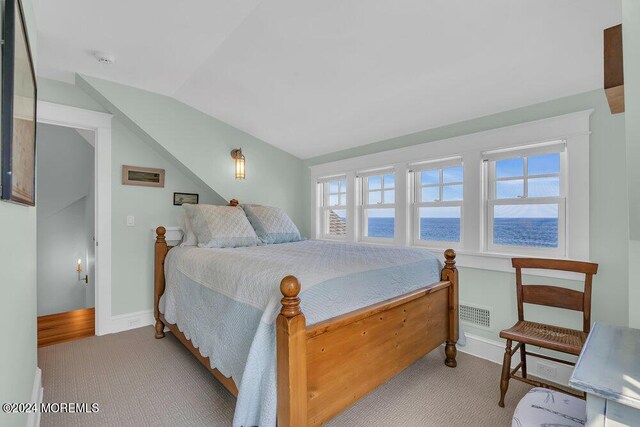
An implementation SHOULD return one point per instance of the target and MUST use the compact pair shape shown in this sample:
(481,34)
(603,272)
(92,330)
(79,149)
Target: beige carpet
(138,380)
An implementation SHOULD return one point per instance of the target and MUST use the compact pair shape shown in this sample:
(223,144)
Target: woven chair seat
(547,336)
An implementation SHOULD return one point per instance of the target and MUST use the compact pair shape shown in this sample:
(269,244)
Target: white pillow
(272,225)
(221,226)
(188,236)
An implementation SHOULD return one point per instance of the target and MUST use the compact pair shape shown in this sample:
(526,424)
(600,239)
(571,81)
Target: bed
(344,319)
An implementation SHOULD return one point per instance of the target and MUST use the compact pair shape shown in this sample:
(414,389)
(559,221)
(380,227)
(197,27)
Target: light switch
(131,220)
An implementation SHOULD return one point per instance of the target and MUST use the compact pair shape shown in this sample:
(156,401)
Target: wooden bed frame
(324,368)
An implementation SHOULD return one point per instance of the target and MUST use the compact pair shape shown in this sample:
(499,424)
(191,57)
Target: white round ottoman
(543,407)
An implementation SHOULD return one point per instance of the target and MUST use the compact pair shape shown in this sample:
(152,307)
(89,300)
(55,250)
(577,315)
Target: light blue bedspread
(226,301)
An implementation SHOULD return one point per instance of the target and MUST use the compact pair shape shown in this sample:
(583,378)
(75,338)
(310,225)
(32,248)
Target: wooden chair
(556,338)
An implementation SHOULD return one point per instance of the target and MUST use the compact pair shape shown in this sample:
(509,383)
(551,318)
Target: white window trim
(572,128)
(491,201)
(322,205)
(415,205)
(362,191)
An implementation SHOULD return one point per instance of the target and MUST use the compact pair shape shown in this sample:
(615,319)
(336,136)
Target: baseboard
(125,322)
(493,351)
(33,418)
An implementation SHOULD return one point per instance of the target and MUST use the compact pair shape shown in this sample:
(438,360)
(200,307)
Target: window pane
(374,182)
(336,222)
(510,168)
(544,187)
(390,196)
(548,163)
(375,197)
(430,194)
(451,192)
(380,222)
(343,199)
(389,181)
(343,186)
(440,224)
(453,174)
(334,200)
(430,177)
(333,186)
(510,189)
(526,225)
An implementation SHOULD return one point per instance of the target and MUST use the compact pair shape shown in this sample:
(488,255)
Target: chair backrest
(555,296)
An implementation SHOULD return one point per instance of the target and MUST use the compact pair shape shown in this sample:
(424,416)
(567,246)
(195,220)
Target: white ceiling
(313,77)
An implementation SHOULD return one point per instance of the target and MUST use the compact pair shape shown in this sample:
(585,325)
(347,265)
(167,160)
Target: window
(437,211)
(334,208)
(378,206)
(526,200)
(490,195)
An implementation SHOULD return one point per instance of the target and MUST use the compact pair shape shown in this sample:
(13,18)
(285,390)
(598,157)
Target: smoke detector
(105,58)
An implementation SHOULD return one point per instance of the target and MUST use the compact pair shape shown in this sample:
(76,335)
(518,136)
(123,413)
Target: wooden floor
(69,326)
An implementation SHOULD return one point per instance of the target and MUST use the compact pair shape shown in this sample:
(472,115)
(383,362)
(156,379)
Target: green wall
(609,213)
(132,247)
(631,46)
(18,302)
(156,131)
(200,147)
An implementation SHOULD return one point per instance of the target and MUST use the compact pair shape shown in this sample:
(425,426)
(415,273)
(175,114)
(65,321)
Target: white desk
(608,370)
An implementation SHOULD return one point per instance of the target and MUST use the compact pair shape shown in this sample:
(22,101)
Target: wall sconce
(237,155)
(84,279)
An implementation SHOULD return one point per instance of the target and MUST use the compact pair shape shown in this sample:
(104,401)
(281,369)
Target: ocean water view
(532,232)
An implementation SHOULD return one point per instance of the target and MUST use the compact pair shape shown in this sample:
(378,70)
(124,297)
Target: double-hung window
(526,200)
(333,212)
(437,206)
(378,206)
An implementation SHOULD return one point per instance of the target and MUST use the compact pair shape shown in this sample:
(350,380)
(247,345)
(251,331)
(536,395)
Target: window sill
(490,261)
(501,262)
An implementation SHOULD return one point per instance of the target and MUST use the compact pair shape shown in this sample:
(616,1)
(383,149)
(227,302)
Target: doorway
(95,269)
(65,183)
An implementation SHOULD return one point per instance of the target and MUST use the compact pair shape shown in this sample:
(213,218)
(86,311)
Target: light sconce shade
(237,155)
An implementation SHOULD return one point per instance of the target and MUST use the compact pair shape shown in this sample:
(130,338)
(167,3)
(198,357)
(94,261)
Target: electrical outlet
(133,322)
(547,371)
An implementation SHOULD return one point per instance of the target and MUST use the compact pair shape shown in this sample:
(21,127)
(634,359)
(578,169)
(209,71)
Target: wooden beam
(613,69)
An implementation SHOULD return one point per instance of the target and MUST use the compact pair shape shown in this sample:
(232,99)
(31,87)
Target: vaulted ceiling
(313,77)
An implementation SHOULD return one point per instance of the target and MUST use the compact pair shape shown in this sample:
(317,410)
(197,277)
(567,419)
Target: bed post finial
(290,288)
(450,273)
(160,233)
(450,259)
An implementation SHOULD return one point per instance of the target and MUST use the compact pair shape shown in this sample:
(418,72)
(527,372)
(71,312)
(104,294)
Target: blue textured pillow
(220,226)
(272,225)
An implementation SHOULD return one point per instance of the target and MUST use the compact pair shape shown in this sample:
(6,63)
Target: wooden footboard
(325,368)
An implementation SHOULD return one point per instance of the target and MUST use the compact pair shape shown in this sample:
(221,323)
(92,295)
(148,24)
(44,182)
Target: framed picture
(19,94)
(180,198)
(146,177)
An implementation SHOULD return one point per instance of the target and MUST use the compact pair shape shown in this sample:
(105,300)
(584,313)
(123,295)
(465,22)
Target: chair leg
(523,358)
(506,368)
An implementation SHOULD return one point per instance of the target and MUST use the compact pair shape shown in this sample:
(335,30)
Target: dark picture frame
(180,198)
(19,110)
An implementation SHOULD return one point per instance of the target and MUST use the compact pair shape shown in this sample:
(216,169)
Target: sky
(510,184)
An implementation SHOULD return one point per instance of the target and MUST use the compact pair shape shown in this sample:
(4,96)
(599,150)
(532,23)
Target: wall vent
(475,315)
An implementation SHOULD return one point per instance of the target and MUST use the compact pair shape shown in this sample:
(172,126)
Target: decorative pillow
(188,236)
(220,226)
(272,225)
